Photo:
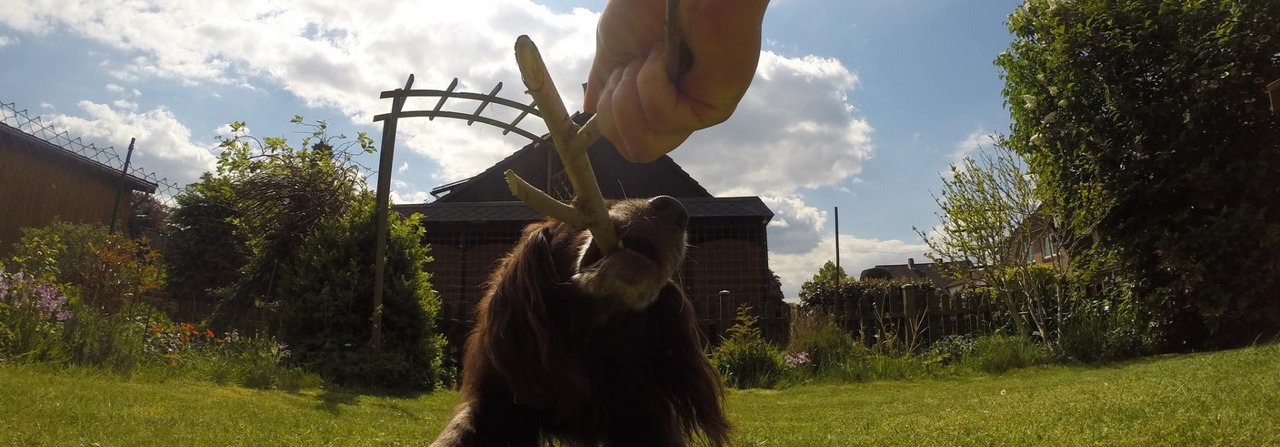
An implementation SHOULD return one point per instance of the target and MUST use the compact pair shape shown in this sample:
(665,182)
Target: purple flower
(283,346)
(797,359)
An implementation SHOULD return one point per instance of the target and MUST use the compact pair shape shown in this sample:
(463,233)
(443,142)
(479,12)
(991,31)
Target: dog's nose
(670,211)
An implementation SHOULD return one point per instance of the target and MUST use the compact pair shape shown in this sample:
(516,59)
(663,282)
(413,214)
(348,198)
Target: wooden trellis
(385,159)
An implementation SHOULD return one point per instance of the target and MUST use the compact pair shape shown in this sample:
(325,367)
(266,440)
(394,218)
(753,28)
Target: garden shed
(48,176)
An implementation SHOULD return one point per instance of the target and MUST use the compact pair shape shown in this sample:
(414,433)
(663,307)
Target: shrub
(821,341)
(107,271)
(745,359)
(951,349)
(31,312)
(1104,327)
(326,295)
(999,353)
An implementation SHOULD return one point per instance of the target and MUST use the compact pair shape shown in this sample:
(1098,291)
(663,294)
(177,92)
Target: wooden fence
(913,315)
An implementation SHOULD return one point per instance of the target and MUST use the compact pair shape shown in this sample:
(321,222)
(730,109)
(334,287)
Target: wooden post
(385,163)
(124,176)
(913,308)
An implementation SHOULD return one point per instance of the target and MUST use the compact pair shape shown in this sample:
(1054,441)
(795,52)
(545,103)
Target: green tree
(280,194)
(205,252)
(1147,122)
(989,216)
(829,273)
(326,315)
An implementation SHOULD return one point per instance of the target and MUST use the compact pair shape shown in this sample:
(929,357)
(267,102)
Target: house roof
(536,162)
(21,137)
(926,270)
(516,211)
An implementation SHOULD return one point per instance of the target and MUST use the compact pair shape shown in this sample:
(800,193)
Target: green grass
(1224,398)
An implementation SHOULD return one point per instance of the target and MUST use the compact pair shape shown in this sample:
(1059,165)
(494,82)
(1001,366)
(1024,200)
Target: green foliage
(875,273)
(96,268)
(745,359)
(824,344)
(1000,353)
(279,194)
(1147,122)
(951,349)
(829,273)
(31,310)
(988,217)
(205,251)
(847,293)
(327,295)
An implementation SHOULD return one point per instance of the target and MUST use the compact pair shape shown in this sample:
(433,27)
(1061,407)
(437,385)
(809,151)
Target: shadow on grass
(331,399)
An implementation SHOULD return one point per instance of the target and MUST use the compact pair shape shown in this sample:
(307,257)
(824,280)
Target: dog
(590,349)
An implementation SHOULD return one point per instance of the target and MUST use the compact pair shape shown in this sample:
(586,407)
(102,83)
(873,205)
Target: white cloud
(342,63)
(794,129)
(163,145)
(6,41)
(976,140)
(796,227)
(856,255)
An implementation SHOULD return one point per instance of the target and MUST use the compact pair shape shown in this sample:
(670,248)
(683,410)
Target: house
(473,222)
(926,270)
(47,176)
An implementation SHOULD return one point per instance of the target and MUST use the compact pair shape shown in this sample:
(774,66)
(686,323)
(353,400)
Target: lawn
(1223,398)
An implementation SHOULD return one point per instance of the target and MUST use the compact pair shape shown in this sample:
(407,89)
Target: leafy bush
(951,349)
(101,269)
(1105,326)
(999,353)
(745,359)
(205,252)
(326,295)
(823,343)
(31,312)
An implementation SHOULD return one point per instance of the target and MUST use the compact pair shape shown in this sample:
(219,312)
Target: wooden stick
(572,146)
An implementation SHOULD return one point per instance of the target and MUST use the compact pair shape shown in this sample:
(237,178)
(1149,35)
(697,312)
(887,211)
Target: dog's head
(651,245)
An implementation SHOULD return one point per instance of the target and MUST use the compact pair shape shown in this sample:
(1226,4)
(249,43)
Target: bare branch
(570,144)
(542,202)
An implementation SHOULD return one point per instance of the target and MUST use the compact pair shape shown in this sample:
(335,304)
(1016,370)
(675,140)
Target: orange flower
(187,327)
(159,328)
(209,332)
(186,338)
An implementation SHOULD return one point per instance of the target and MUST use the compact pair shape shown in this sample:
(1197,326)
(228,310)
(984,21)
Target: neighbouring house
(47,176)
(473,222)
(925,270)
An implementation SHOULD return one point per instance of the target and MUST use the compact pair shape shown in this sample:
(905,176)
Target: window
(1046,248)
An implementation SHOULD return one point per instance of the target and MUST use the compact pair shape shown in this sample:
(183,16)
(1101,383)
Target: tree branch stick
(542,202)
(570,144)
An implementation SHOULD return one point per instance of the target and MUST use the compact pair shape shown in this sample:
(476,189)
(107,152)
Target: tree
(989,215)
(325,318)
(205,252)
(829,273)
(280,194)
(1147,122)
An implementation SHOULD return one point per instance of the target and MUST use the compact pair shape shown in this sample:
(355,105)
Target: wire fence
(107,156)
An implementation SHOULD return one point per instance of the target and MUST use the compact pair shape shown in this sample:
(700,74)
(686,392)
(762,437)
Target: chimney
(911,264)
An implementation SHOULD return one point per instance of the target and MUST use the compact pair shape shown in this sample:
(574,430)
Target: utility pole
(837,238)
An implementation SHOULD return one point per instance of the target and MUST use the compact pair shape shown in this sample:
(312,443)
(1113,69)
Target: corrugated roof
(698,207)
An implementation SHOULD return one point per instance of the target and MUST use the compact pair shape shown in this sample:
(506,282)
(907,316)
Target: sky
(856,104)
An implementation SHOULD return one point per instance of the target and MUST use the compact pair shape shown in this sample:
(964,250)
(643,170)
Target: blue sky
(857,104)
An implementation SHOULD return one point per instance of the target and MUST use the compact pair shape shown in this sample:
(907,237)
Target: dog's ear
(517,324)
(682,368)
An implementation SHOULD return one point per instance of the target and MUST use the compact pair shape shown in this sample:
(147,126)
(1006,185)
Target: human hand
(637,105)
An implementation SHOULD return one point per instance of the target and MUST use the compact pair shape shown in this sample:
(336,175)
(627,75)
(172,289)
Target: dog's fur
(589,350)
